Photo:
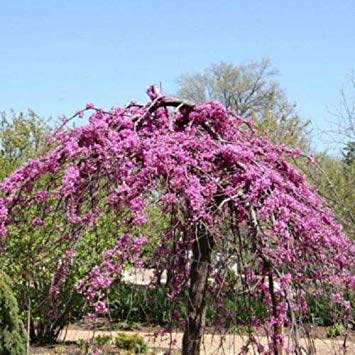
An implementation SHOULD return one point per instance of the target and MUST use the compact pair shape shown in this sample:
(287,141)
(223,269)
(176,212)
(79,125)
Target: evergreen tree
(12,334)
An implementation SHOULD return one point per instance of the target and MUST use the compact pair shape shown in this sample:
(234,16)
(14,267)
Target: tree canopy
(22,136)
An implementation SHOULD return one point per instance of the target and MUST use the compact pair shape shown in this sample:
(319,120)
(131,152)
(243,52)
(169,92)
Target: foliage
(12,334)
(33,254)
(336,330)
(106,344)
(227,193)
(22,136)
(102,340)
(59,350)
(131,305)
(349,154)
(139,304)
(135,304)
(134,343)
(84,346)
(335,181)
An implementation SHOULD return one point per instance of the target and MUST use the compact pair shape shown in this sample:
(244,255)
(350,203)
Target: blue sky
(55,56)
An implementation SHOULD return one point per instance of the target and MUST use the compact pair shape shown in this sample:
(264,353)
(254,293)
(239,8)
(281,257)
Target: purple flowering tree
(241,218)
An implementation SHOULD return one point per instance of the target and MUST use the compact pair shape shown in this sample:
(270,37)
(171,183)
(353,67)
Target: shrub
(133,343)
(102,340)
(335,330)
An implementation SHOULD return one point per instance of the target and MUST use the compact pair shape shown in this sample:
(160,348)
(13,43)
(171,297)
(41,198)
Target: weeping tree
(241,219)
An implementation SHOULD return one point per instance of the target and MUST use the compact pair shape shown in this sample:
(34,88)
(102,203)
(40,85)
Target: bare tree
(251,90)
(336,178)
(345,112)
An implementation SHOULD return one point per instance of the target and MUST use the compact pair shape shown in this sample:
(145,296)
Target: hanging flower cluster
(204,166)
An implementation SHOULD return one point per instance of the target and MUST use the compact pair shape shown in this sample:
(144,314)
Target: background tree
(337,179)
(251,89)
(22,136)
(345,113)
(334,179)
(349,154)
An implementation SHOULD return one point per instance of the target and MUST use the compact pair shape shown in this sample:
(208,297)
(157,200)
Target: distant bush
(133,343)
(102,340)
(336,330)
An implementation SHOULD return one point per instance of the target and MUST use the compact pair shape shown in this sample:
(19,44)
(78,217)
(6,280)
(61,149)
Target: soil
(213,344)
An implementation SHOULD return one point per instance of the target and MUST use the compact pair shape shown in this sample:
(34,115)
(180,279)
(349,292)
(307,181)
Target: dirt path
(213,344)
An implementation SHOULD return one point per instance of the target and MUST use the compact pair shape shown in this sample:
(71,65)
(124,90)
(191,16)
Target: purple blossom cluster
(101,277)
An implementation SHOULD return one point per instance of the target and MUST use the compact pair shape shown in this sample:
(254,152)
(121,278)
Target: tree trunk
(201,258)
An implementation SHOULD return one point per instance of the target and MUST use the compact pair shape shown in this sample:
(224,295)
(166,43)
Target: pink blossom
(101,307)
(37,221)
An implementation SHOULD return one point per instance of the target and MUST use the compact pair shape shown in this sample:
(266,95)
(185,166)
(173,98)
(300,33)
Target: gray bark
(201,254)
